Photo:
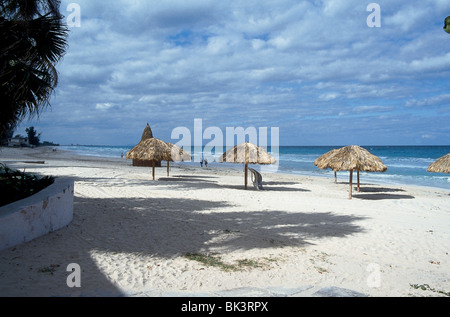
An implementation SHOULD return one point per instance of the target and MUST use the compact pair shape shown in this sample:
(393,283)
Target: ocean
(407,165)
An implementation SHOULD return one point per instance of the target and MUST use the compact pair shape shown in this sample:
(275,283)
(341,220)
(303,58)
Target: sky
(324,72)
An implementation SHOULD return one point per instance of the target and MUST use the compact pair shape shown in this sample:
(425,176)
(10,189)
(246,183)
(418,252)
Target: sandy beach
(133,236)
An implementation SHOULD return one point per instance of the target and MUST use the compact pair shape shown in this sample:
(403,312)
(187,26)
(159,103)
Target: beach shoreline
(133,236)
(24,154)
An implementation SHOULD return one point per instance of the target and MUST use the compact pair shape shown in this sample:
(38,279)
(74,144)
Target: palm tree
(33,40)
(33,137)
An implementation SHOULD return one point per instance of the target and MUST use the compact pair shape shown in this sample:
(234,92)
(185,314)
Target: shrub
(16,185)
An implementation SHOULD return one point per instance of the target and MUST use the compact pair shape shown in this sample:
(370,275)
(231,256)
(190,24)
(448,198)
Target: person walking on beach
(206,163)
(201,163)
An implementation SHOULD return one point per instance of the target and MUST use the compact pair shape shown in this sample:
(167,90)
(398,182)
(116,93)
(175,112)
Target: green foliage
(426,287)
(16,185)
(33,40)
(215,261)
(210,260)
(33,137)
(447,24)
(48,143)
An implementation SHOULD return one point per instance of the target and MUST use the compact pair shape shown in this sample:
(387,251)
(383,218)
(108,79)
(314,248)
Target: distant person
(206,163)
(201,163)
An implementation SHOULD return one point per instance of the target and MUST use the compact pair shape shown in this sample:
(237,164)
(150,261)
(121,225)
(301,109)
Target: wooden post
(246,171)
(350,189)
(153,169)
(357,172)
(167,168)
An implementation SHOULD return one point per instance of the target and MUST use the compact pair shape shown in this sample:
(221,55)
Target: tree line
(34,138)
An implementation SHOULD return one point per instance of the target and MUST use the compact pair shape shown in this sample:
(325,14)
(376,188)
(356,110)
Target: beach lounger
(256,178)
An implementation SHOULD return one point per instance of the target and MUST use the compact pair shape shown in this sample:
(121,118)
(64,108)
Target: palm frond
(33,41)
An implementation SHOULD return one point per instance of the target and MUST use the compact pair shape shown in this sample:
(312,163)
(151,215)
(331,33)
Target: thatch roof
(247,153)
(147,134)
(178,154)
(441,165)
(157,150)
(150,149)
(352,157)
(321,161)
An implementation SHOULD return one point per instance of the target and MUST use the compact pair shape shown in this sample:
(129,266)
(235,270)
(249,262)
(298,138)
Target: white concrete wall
(47,211)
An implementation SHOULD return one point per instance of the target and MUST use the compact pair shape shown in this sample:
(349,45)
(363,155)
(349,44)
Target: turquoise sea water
(406,164)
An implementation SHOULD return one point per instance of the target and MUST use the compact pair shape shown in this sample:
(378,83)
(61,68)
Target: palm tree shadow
(195,225)
(164,228)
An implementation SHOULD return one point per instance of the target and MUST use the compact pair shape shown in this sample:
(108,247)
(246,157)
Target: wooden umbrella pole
(357,172)
(246,166)
(350,190)
(168,168)
(153,169)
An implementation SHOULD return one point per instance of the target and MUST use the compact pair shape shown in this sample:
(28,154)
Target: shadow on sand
(199,182)
(158,227)
(381,196)
(379,193)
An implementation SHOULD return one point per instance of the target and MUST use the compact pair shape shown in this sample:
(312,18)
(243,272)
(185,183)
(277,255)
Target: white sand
(130,234)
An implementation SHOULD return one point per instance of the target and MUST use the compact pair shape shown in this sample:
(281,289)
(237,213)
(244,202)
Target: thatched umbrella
(153,150)
(353,157)
(321,161)
(146,134)
(177,154)
(247,153)
(441,165)
(156,150)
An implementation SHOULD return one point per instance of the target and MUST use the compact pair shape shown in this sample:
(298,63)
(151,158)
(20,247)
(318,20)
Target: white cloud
(328,96)
(260,61)
(436,100)
(407,17)
(361,109)
(437,62)
(103,106)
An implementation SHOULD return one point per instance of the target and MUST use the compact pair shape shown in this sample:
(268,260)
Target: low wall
(29,218)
